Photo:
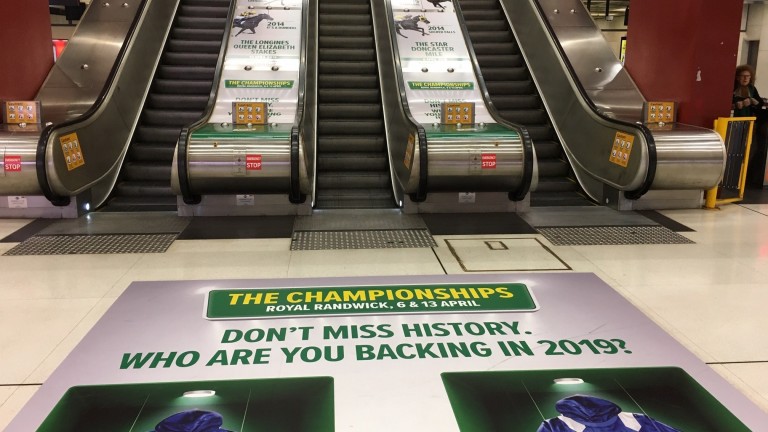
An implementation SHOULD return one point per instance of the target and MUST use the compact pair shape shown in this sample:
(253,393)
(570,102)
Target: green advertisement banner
(362,300)
(283,84)
(440,85)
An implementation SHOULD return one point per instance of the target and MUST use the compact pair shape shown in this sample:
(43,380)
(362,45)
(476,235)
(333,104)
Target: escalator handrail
(651,143)
(294,194)
(42,143)
(525,137)
(421,135)
(186,131)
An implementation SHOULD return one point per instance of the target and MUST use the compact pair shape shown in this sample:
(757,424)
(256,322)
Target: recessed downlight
(199,393)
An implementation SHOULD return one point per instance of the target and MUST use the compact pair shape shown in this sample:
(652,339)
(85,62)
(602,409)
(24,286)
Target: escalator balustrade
(177,97)
(514,95)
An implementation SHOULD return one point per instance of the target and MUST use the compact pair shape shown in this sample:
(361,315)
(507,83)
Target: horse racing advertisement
(262,60)
(435,62)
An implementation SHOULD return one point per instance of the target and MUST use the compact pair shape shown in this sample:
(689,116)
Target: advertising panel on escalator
(434,59)
(263,59)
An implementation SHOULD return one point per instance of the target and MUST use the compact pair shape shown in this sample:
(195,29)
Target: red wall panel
(685,51)
(26,51)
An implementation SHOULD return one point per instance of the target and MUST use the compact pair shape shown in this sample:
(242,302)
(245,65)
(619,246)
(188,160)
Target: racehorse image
(410,22)
(436,3)
(249,22)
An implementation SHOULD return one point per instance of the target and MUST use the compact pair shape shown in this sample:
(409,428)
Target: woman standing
(746,99)
(748,103)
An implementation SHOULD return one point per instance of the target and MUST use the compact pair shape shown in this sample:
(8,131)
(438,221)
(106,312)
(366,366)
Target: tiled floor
(710,295)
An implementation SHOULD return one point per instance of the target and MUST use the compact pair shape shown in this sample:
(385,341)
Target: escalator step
(343,8)
(354,198)
(478,4)
(352,144)
(158,134)
(540,132)
(342,54)
(557,184)
(495,48)
(180,118)
(497,25)
(500,60)
(186,72)
(145,188)
(190,59)
(188,10)
(354,42)
(348,68)
(511,87)
(548,149)
(349,111)
(142,203)
(194,46)
(151,152)
(337,81)
(192,102)
(532,117)
(197,34)
(348,95)
(510,73)
(347,30)
(352,161)
(350,127)
(181,87)
(353,180)
(513,102)
(472,15)
(201,22)
(553,168)
(491,36)
(344,20)
(560,199)
(159,171)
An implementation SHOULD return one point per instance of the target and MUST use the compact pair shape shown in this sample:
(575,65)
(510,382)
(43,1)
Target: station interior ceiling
(598,8)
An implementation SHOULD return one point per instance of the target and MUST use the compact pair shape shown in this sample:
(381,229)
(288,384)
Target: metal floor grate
(93,244)
(367,239)
(612,235)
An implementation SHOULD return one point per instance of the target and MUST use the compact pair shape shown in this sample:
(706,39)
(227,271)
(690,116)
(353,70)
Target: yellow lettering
(233,298)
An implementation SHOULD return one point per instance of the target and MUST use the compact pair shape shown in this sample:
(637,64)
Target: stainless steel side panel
(689,157)
(596,67)
(216,166)
(457,165)
(19,141)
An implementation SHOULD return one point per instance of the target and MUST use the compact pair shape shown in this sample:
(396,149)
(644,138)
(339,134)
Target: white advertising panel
(263,60)
(435,62)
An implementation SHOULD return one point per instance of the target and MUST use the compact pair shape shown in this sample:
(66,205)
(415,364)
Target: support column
(685,51)
(26,51)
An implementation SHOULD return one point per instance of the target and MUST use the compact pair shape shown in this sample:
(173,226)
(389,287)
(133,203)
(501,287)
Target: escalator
(352,160)
(514,95)
(177,97)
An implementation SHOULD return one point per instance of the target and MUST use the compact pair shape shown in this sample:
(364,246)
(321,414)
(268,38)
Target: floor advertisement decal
(501,352)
